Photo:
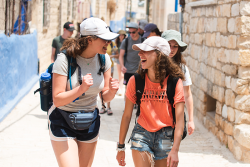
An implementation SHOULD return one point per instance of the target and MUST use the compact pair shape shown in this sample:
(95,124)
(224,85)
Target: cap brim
(146,34)
(183,45)
(108,36)
(141,27)
(71,29)
(142,46)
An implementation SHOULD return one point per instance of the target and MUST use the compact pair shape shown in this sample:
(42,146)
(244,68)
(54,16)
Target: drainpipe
(182,3)
(176,6)
(181,21)
(147,10)
(6,7)
(13,16)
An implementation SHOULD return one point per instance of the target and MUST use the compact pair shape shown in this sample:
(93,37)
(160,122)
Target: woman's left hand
(191,127)
(172,160)
(113,84)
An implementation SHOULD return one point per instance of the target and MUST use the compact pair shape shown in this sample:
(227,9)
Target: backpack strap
(142,39)
(101,70)
(126,50)
(139,86)
(171,84)
(102,63)
(111,44)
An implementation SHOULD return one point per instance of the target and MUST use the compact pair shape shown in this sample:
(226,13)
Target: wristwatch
(120,145)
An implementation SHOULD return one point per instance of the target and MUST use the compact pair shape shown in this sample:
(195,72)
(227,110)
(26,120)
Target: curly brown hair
(75,46)
(178,58)
(164,66)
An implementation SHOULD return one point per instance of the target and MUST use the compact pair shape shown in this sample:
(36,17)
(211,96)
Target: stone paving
(24,140)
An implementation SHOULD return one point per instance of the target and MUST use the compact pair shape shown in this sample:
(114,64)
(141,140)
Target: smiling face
(174,48)
(99,45)
(148,59)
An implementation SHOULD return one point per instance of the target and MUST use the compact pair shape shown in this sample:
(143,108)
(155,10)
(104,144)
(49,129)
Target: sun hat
(69,26)
(97,27)
(153,43)
(132,25)
(142,24)
(122,32)
(174,35)
(148,28)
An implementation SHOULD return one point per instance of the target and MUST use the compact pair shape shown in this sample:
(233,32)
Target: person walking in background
(74,147)
(111,51)
(57,42)
(151,139)
(118,42)
(177,47)
(151,30)
(142,24)
(128,57)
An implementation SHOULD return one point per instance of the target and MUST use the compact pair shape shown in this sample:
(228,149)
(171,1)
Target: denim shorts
(158,144)
(61,131)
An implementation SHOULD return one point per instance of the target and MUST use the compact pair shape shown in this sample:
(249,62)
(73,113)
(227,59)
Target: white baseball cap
(154,43)
(97,27)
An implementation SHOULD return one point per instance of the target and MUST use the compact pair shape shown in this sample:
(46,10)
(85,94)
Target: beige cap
(154,43)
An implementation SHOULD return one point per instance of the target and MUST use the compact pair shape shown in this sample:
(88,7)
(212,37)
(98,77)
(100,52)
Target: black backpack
(171,84)
(72,64)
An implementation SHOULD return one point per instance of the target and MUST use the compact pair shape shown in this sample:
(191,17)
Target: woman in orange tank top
(151,141)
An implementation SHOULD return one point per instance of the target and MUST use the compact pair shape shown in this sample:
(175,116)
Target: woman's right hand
(87,81)
(120,157)
(123,69)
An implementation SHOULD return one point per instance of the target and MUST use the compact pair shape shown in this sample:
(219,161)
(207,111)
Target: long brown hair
(118,42)
(164,66)
(178,58)
(75,46)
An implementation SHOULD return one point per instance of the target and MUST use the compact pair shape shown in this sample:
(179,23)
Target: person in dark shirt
(57,42)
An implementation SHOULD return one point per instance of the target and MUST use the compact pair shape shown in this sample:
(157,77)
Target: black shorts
(127,77)
(61,131)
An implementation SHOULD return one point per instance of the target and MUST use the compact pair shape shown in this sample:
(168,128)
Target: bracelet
(120,149)
(120,145)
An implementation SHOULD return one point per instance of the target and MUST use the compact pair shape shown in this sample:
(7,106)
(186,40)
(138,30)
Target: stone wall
(2,15)
(45,34)
(174,21)
(218,57)
(159,11)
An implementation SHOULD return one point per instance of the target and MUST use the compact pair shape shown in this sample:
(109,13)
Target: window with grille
(46,13)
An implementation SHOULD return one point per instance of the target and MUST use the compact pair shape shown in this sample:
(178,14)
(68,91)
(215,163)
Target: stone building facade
(218,36)
(159,11)
(48,18)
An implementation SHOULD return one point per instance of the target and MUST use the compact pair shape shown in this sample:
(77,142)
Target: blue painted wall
(115,26)
(18,69)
